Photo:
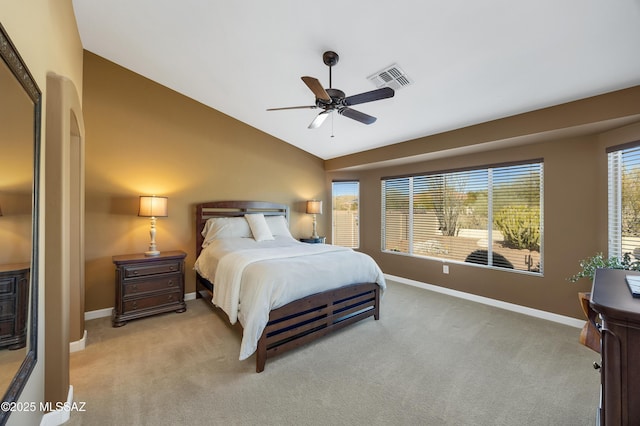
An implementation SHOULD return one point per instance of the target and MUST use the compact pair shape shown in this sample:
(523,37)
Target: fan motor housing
(337,96)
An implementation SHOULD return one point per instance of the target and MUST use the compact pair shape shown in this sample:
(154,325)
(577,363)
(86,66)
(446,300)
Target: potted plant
(590,265)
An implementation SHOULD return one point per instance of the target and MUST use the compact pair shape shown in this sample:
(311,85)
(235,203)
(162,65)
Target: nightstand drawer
(7,285)
(152,302)
(165,282)
(131,271)
(6,328)
(7,307)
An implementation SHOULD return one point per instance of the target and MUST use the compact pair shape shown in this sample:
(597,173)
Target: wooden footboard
(307,319)
(304,320)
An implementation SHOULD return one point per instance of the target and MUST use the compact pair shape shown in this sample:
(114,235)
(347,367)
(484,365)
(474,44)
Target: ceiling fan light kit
(332,99)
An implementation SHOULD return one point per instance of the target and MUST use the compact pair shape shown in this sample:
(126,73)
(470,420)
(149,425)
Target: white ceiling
(471,61)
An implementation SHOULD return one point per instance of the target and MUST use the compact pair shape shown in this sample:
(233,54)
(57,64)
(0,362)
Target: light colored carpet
(431,359)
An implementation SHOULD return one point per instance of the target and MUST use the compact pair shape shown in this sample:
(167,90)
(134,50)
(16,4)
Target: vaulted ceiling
(468,61)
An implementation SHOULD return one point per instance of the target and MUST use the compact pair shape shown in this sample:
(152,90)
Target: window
(447,215)
(346,213)
(624,200)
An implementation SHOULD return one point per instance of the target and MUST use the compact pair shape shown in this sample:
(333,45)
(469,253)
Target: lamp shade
(314,207)
(152,206)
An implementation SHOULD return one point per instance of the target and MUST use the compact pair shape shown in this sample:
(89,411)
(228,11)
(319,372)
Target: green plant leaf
(590,265)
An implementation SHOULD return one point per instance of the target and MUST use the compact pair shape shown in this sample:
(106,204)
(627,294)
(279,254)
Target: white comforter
(252,278)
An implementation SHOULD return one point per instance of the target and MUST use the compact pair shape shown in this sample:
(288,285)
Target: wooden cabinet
(148,285)
(14,296)
(620,347)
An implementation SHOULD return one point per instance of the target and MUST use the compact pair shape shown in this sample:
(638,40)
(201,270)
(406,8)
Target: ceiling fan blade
(374,95)
(316,88)
(294,107)
(317,122)
(357,115)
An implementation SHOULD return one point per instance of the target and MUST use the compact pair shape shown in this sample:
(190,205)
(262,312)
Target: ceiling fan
(331,99)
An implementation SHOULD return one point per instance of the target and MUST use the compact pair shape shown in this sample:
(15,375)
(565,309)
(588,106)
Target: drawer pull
(135,272)
(172,268)
(134,305)
(170,283)
(170,297)
(134,287)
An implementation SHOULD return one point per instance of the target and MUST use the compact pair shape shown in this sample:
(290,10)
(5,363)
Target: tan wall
(143,139)
(575,201)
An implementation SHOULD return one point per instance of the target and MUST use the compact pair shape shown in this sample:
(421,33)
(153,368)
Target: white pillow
(278,226)
(225,227)
(259,227)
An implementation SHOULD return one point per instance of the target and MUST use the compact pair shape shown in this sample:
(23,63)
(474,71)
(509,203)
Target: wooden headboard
(211,209)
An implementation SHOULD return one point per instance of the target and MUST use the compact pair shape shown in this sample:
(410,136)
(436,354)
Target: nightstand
(319,240)
(148,285)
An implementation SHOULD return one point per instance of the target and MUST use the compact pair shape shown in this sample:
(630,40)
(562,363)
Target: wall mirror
(20,103)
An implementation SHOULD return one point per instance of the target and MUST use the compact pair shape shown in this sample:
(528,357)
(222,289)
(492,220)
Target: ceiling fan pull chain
(332,124)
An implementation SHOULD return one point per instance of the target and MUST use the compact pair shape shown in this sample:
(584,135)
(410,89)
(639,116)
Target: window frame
(335,239)
(410,251)
(615,202)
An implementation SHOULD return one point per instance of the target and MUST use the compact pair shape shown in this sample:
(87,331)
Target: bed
(283,292)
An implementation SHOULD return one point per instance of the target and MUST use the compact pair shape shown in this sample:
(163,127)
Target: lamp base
(152,253)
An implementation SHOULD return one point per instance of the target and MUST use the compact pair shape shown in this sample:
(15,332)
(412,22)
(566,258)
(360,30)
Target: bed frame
(303,320)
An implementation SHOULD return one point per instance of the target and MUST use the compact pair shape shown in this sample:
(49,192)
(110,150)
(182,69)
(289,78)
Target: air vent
(392,76)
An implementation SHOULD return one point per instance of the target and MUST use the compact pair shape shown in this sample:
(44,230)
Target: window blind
(447,216)
(396,215)
(624,201)
(614,202)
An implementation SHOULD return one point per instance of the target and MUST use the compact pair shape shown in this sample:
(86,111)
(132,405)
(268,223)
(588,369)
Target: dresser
(620,348)
(14,298)
(148,285)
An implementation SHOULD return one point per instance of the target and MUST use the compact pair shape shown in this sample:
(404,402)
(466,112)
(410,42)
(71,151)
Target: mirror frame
(16,65)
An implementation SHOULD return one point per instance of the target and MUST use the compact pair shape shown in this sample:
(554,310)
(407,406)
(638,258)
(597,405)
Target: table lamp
(153,207)
(314,207)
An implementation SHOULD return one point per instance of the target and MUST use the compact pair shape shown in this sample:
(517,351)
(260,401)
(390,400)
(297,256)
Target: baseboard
(106,312)
(100,313)
(60,415)
(78,345)
(573,322)
(537,313)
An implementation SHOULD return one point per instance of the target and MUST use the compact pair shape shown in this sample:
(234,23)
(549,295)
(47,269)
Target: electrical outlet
(445,269)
